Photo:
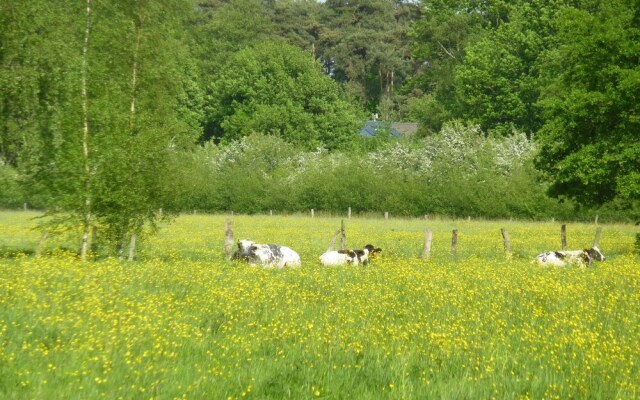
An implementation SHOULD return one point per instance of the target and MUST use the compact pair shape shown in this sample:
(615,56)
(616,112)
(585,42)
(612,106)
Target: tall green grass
(183,322)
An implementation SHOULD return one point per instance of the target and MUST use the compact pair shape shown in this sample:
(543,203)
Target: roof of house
(398,129)
(406,128)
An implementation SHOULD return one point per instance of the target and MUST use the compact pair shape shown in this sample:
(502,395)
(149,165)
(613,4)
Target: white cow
(572,257)
(349,257)
(267,255)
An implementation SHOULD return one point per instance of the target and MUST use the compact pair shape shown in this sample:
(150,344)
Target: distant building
(405,128)
(397,129)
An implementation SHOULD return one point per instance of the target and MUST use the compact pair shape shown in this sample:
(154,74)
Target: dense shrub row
(458,172)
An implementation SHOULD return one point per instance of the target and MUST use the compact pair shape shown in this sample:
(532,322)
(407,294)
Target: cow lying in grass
(267,255)
(580,258)
(349,257)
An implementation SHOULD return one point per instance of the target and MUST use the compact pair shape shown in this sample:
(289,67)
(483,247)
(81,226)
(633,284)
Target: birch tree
(114,97)
(86,226)
(149,121)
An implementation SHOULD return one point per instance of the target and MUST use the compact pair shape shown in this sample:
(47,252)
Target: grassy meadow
(182,322)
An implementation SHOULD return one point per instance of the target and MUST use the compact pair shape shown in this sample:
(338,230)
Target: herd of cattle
(271,255)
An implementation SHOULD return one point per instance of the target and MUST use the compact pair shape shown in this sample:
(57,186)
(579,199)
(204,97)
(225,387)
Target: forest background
(119,114)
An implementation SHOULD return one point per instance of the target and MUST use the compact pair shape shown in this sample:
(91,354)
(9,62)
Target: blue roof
(373,128)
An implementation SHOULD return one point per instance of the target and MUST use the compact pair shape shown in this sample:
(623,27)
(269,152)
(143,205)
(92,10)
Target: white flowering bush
(513,152)
(459,171)
(401,156)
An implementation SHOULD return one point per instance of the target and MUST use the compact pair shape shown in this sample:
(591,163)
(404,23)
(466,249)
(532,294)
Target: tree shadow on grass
(6,252)
(17,252)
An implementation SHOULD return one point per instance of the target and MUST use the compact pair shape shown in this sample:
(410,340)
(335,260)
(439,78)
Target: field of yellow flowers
(182,322)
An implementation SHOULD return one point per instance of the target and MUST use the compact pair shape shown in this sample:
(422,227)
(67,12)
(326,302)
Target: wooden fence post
(386,215)
(507,244)
(563,236)
(228,241)
(343,234)
(333,240)
(596,219)
(596,240)
(454,242)
(132,247)
(312,213)
(428,238)
(349,213)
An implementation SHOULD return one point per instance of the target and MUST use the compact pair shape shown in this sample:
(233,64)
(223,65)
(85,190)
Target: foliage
(11,193)
(497,84)
(440,39)
(186,323)
(161,75)
(111,107)
(457,172)
(276,89)
(563,72)
(590,148)
(364,45)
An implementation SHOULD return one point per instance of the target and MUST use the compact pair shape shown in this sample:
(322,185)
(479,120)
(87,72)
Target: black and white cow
(267,255)
(572,257)
(349,257)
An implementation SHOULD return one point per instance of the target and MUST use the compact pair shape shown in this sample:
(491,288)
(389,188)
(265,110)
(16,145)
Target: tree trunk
(132,247)
(87,217)
(134,74)
(41,244)
(392,81)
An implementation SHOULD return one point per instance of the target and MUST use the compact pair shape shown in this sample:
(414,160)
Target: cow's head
(245,249)
(372,249)
(595,254)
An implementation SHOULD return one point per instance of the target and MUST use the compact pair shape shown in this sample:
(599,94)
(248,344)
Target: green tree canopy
(365,47)
(591,101)
(497,83)
(277,89)
(440,39)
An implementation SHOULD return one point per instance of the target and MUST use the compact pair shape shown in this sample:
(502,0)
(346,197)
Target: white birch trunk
(132,247)
(134,75)
(85,140)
